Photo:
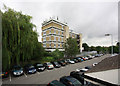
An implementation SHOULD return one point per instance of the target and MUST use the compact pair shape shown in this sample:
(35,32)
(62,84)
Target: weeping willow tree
(18,38)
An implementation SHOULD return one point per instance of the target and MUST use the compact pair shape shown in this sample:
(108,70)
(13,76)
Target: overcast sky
(93,19)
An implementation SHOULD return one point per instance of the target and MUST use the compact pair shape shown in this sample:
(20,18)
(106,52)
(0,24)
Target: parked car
(70,81)
(56,64)
(94,64)
(39,67)
(70,61)
(55,83)
(88,67)
(83,58)
(66,62)
(62,63)
(4,74)
(78,75)
(48,65)
(30,69)
(17,70)
(75,60)
(79,59)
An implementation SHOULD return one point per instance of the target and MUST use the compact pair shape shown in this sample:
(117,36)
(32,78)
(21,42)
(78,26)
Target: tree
(71,47)
(19,41)
(57,54)
(86,47)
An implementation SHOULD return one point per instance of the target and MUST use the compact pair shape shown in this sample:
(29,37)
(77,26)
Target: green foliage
(57,54)
(71,48)
(47,59)
(19,41)
(85,46)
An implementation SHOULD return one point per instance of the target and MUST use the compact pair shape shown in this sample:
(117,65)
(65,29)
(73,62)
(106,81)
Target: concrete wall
(110,76)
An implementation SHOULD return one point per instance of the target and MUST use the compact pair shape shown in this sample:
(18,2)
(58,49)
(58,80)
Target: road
(49,75)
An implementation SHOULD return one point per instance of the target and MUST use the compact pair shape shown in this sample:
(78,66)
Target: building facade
(54,35)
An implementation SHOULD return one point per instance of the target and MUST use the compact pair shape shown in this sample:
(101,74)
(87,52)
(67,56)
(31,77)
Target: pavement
(48,75)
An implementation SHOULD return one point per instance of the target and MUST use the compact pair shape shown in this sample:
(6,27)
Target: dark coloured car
(88,67)
(30,69)
(70,81)
(79,59)
(75,60)
(48,65)
(56,64)
(4,74)
(62,63)
(39,67)
(55,83)
(17,70)
(78,75)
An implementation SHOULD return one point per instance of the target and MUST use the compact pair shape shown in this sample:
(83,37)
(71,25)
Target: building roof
(53,20)
(106,64)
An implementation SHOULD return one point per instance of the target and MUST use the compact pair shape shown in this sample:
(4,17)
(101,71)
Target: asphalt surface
(48,75)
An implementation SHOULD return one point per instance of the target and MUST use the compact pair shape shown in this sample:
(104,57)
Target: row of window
(53,35)
(44,32)
(54,28)
(62,40)
(44,45)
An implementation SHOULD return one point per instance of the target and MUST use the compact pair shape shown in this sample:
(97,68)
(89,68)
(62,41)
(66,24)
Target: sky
(92,18)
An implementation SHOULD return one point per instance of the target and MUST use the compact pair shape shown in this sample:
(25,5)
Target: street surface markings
(25,75)
(38,73)
(10,78)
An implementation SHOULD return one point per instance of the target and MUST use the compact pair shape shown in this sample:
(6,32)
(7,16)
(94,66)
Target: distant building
(55,33)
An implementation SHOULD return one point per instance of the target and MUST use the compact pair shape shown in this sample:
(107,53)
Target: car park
(17,70)
(62,63)
(49,65)
(56,64)
(39,67)
(55,83)
(70,81)
(29,69)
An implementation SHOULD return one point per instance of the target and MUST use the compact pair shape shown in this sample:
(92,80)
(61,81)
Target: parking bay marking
(38,73)
(10,78)
(25,75)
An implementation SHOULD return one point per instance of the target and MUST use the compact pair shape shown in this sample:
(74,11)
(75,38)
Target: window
(50,31)
(44,45)
(44,33)
(49,38)
(50,45)
(44,39)
(54,45)
(58,45)
(58,38)
(54,38)
(58,32)
(54,31)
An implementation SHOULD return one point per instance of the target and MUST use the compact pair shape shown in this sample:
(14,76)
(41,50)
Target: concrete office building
(55,33)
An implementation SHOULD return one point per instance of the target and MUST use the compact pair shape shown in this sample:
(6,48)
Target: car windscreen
(56,63)
(49,64)
(39,65)
(17,68)
(31,67)
(77,83)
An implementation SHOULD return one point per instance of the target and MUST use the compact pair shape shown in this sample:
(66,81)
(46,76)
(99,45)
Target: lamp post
(111,42)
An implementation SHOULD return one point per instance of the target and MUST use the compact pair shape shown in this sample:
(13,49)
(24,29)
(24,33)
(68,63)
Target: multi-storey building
(54,35)
(78,36)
